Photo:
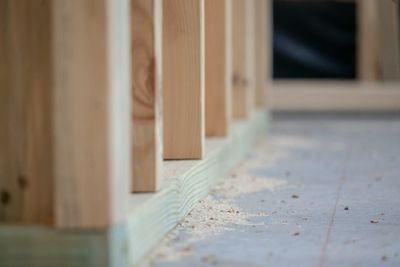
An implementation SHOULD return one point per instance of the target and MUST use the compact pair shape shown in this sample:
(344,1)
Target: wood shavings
(217,213)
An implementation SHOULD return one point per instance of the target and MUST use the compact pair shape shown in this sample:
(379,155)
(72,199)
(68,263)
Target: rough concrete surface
(316,191)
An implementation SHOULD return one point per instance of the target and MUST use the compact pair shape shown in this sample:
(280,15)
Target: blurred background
(334,55)
(328,39)
(314,40)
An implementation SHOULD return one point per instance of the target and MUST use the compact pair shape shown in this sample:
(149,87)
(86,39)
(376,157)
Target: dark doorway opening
(314,39)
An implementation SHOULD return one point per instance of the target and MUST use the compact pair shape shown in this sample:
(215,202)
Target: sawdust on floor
(216,213)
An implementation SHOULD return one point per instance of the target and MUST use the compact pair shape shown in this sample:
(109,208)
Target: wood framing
(26,165)
(218,94)
(183,86)
(146,34)
(250,62)
(240,93)
(334,96)
(262,45)
(388,36)
(148,220)
(229,57)
(378,40)
(378,67)
(368,63)
(92,95)
(81,110)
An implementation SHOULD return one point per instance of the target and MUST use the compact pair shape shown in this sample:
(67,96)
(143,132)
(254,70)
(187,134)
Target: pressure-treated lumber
(150,218)
(32,246)
(26,186)
(146,34)
(92,121)
(183,82)
(217,66)
(241,94)
(263,27)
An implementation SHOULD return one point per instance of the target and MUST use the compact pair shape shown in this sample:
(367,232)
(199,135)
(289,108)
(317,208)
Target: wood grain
(241,93)
(389,42)
(146,95)
(250,66)
(26,167)
(262,45)
(91,112)
(152,217)
(32,246)
(183,69)
(335,96)
(217,91)
(368,62)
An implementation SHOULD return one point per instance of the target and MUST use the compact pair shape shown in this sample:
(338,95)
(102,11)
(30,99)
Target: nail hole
(5,197)
(22,182)
(236,79)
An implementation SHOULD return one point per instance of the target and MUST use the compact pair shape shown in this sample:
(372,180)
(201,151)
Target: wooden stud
(126,243)
(26,168)
(146,32)
(240,94)
(229,58)
(183,68)
(389,43)
(368,63)
(217,90)
(250,63)
(91,111)
(261,49)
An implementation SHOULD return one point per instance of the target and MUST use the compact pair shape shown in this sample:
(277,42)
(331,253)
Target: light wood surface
(240,94)
(378,40)
(263,27)
(146,34)
(335,96)
(216,67)
(151,218)
(183,69)
(368,63)
(250,38)
(229,58)
(26,186)
(91,111)
(389,44)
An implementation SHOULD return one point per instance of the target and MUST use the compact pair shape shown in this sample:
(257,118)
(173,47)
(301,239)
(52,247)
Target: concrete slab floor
(317,191)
